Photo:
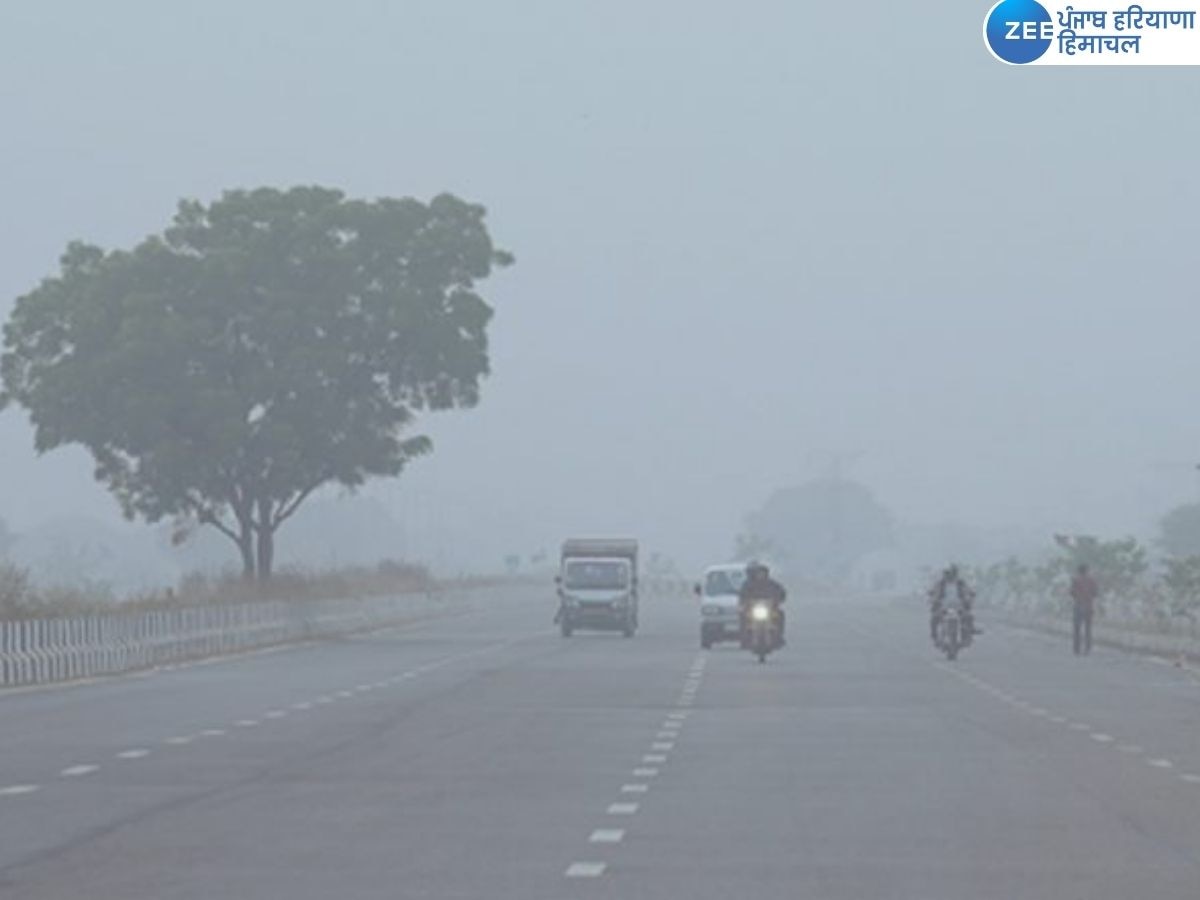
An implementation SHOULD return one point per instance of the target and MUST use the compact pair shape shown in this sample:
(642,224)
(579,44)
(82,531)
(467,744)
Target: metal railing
(42,651)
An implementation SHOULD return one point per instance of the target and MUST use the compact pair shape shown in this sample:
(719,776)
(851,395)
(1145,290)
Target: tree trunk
(266,541)
(246,548)
(245,540)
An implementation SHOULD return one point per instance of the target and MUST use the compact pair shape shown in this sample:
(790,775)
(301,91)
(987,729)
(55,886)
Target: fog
(752,241)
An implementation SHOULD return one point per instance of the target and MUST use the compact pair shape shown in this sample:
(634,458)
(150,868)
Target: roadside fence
(41,651)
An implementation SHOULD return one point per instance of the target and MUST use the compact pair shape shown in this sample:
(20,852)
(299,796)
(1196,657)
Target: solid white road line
(77,771)
(607,836)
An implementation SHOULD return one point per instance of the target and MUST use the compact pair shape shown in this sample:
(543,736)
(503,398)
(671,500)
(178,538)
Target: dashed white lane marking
(1190,778)
(634,788)
(324,700)
(1131,748)
(246,723)
(136,753)
(77,771)
(14,790)
(345,695)
(654,759)
(276,714)
(677,716)
(645,773)
(1079,726)
(622,809)
(607,836)
(1101,738)
(586,870)
(1038,711)
(662,746)
(1058,720)
(1160,763)
(179,741)
(301,706)
(666,736)
(213,732)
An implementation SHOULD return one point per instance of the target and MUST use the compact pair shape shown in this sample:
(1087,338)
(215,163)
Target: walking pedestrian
(1084,591)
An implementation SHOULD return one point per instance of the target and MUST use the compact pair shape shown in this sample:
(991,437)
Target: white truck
(598,586)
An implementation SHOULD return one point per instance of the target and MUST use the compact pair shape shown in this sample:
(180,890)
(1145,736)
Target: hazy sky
(748,236)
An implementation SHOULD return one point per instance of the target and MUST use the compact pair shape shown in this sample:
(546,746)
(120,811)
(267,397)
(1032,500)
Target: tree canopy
(262,346)
(820,528)
(1179,531)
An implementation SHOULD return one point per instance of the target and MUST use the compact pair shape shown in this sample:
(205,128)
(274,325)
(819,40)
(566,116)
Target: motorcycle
(763,630)
(951,632)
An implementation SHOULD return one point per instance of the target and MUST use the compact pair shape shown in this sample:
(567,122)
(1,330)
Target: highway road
(486,757)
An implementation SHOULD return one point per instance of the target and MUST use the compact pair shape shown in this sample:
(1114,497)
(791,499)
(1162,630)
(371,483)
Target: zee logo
(1018,31)
(1029,31)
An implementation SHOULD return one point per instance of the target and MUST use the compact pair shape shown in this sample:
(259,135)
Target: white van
(718,593)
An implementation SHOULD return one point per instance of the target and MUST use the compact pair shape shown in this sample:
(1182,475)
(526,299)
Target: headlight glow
(760,613)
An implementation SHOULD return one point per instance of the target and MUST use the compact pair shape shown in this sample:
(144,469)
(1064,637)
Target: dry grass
(21,599)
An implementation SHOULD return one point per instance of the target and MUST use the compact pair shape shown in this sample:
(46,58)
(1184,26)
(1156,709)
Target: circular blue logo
(1018,31)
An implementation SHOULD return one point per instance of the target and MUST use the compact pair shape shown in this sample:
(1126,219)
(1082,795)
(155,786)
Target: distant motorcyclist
(951,588)
(759,585)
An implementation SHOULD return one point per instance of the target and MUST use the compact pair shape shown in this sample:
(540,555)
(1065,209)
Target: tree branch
(286,510)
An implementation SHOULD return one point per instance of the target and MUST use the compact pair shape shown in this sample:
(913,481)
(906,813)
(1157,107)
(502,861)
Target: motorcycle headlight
(760,613)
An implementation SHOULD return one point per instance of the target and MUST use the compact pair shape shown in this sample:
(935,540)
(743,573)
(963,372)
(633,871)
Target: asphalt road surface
(487,757)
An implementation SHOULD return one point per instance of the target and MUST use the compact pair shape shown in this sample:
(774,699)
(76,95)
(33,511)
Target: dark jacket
(762,589)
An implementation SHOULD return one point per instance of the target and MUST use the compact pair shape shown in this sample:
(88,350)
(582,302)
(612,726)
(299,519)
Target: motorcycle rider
(951,587)
(759,585)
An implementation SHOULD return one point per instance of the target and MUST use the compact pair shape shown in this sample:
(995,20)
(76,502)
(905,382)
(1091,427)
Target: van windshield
(597,575)
(723,582)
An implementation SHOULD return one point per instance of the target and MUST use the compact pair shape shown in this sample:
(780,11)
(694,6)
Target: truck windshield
(723,582)
(598,574)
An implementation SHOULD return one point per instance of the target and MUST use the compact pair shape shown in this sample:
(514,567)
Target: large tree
(821,528)
(262,346)
(1179,531)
